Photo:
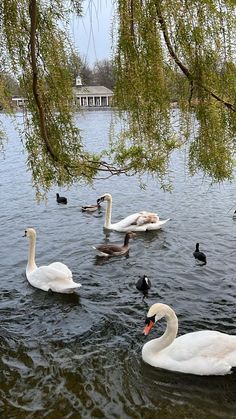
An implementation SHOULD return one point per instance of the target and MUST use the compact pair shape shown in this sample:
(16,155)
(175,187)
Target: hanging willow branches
(165,51)
(182,51)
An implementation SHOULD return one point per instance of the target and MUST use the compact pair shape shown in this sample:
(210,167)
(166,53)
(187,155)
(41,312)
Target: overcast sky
(92,33)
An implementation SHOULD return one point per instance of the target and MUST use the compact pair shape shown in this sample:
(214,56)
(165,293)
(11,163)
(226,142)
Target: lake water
(79,356)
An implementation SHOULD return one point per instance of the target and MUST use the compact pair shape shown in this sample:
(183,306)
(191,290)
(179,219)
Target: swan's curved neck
(107,223)
(31,265)
(126,240)
(156,345)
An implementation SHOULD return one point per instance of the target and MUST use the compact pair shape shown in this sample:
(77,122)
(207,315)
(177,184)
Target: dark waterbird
(143,283)
(199,255)
(61,199)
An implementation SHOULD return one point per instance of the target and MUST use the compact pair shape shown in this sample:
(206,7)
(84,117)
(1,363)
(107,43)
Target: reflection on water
(79,355)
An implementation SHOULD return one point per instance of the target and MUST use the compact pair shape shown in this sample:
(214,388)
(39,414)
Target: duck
(199,255)
(55,277)
(234,215)
(61,199)
(143,283)
(206,352)
(106,250)
(140,221)
(91,208)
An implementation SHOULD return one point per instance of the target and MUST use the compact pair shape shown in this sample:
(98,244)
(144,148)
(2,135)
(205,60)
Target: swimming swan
(140,221)
(55,277)
(205,352)
(111,249)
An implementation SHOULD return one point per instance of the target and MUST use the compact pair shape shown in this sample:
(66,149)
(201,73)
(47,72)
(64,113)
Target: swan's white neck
(154,346)
(107,223)
(31,265)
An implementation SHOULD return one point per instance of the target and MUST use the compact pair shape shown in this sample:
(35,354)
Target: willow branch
(183,68)
(35,86)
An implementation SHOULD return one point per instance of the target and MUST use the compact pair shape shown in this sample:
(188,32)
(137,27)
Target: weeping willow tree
(36,48)
(191,43)
(161,47)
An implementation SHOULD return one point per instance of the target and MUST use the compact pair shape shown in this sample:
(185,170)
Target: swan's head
(30,233)
(131,234)
(155,313)
(105,197)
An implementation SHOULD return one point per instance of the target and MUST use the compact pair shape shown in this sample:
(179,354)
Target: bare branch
(184,69)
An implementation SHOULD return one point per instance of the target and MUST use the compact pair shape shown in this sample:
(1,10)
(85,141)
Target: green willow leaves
(167,54)
(180,52)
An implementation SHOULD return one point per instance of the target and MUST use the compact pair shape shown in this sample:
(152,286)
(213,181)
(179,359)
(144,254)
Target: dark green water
(79,356)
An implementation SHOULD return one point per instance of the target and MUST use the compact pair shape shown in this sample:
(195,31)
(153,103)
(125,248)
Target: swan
(206,352)
(143,283)
(199,255)
(140,221)
(91,208)
(61,199)
(106,250)
(56,277)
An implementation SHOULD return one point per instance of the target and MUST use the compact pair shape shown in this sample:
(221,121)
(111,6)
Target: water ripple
(80,354)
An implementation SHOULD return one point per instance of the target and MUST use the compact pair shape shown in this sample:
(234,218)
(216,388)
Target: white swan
(202,353)
(140,221)
(55,277)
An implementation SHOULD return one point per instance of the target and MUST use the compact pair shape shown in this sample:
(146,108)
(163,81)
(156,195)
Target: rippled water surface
(79,356)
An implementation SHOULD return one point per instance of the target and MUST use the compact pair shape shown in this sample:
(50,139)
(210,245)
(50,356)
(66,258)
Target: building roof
(92,90)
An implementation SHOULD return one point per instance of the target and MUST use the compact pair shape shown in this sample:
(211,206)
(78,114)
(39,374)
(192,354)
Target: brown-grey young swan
(112,249)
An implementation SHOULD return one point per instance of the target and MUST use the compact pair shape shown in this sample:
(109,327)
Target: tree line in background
(100,74)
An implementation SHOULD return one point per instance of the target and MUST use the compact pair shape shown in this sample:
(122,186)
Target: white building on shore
(92,96)
(85,97)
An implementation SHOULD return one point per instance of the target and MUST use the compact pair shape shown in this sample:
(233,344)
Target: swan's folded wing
(61,267)
(44,276)
(63,285)
(147,218)
(203,353)
(204,343)
(128,221)
(111,249)
(198,365)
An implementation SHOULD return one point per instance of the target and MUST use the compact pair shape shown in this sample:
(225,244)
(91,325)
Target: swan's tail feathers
(71,290)
(164,221)
(99,253)
(66,289)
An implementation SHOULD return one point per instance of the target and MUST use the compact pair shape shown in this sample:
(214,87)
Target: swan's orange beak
(148,327)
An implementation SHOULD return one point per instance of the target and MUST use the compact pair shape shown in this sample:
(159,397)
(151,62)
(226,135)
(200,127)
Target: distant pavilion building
(92,96)
(18,102)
